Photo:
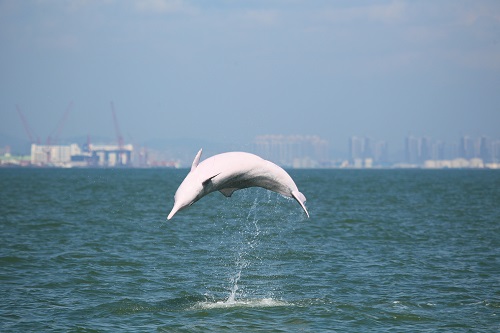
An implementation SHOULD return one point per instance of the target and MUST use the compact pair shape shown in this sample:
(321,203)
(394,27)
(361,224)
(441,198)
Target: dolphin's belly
(246,180)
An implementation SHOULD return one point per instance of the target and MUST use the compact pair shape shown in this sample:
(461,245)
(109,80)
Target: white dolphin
(229,172)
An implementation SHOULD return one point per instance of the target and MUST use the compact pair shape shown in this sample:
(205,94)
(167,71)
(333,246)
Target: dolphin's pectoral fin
(209,179)
(300,199)
(228,191)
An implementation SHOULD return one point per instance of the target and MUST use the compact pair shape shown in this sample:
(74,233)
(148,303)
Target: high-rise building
(363,150)
(381,153)
(425,150)
(412,150)
(293,150)
(467,148)
(367,148)
(356,148)
(437,150)
(419,150)
(484,150)
(495,151)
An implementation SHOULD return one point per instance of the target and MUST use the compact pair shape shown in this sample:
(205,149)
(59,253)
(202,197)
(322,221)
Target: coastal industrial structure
(72,155)
(90,156)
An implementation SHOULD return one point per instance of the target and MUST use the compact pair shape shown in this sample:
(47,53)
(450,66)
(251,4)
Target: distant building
(468,152)
(467,148)
(54,155)
(425,150)
(9,160)
(381,153)
(484,150)
(367,148)
(437,150)
(298,151)
(365,152)
(418,150)
(73,155)
(495,151)
(412,150)
(356,148)
(111,155)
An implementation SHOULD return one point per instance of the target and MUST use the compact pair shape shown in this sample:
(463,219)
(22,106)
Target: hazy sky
(231,70)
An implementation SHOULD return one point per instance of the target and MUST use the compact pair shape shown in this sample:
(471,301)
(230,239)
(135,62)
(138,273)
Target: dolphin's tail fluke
(301,199)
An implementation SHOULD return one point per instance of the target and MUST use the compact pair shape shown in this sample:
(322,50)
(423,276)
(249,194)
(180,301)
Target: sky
(228,71)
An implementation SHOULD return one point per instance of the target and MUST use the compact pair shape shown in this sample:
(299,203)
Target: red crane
(54,136)
(27,127)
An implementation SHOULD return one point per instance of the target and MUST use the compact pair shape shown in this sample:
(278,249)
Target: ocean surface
(91,250)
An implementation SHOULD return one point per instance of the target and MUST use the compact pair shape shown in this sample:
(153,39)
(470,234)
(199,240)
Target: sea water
(90,250)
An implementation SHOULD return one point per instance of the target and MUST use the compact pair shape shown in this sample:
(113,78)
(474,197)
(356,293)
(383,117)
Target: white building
(111,155)
(73,155)
(54,155)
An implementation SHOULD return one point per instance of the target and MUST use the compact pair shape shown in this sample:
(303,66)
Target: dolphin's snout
(174,210)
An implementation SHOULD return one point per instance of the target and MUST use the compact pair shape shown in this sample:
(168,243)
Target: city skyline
(228,71)
(26,133)
(293,151)
(378,148)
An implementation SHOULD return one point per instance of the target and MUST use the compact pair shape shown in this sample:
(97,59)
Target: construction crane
(54,136)
(119,136)
(27,127)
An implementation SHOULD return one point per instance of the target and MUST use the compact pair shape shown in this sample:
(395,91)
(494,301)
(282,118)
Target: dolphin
(229,172)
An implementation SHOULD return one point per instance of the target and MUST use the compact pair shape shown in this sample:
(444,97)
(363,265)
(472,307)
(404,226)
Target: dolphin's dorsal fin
(196,160)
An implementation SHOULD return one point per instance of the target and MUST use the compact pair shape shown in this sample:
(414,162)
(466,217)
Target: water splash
(234,289)
(250,303)
(248,244)
(253,233)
